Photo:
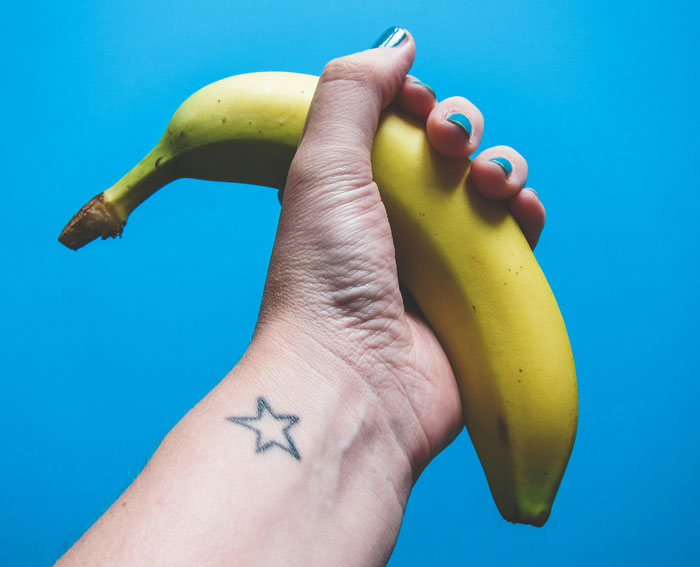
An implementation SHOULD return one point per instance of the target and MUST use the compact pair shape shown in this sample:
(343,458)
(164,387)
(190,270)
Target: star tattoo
(271,429)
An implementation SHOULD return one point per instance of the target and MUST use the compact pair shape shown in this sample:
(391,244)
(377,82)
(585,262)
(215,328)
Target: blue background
(103,350)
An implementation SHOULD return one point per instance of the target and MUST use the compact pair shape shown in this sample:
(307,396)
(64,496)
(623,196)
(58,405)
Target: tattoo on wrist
(271,429)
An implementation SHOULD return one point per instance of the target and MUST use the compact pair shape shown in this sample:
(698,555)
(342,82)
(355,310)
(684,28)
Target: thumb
(333,234)
(341,124)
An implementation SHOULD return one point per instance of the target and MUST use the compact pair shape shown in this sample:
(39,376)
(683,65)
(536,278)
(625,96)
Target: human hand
(354,394)
(332,276)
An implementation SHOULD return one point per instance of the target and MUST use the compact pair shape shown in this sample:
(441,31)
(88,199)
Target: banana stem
(105,214)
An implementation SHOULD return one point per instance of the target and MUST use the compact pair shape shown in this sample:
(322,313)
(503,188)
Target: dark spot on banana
(474,308)
(158,162)
(223,120)
(502,430)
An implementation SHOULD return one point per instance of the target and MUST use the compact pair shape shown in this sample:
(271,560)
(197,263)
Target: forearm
(328,489)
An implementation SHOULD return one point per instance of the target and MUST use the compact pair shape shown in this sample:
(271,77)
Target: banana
(463,258)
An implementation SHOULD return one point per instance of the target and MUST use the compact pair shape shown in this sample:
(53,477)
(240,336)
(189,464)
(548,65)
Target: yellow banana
(463,258)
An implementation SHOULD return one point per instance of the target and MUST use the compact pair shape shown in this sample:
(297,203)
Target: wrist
(353,476)
(209,495)
(342,403)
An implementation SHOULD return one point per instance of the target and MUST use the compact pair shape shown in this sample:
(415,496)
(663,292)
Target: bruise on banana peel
(461,256)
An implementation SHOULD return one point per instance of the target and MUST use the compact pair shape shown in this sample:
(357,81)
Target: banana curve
(463,258)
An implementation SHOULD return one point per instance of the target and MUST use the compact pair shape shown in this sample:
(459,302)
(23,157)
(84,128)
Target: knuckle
(351,69)
(336,69)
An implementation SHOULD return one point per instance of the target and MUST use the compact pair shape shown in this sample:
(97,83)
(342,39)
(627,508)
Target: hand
(349,390)
(333,276)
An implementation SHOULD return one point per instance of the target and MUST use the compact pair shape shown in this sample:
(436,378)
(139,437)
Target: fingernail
(391,37)
(533,191)
(504,163)
(426,86)
(461,120)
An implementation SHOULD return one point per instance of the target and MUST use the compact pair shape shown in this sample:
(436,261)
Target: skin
(338,355)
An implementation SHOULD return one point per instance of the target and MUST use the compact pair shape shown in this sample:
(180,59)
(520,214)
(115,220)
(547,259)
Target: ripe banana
(463,258)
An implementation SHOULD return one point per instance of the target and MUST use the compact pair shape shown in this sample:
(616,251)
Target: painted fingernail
(426,86)
(461,120)
(391,37)
(504,163)
(533,191)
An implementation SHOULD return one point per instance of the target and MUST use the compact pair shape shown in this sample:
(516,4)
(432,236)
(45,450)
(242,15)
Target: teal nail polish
(461,120)
(504,163)
(391,37)
(426,86)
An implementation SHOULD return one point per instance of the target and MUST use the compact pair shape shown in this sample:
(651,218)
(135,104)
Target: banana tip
(536,519)
(97,218)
